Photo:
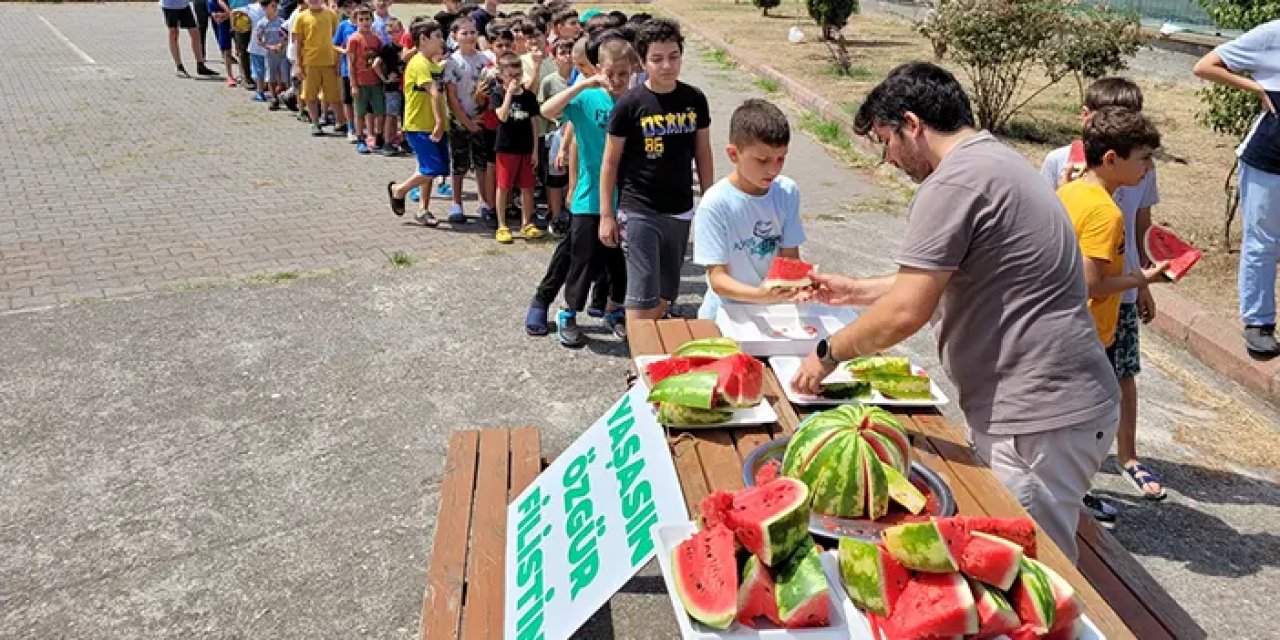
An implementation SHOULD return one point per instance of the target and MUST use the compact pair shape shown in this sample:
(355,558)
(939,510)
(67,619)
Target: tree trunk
(1233,204)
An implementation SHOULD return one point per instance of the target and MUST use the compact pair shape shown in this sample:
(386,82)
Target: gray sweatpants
(1050,472)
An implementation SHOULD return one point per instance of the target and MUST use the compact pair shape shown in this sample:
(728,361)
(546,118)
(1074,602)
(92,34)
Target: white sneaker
(456,214)
(352,137)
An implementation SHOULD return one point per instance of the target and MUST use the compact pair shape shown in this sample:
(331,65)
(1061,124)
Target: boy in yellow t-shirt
(1118,145)
(317,66)
(424,119)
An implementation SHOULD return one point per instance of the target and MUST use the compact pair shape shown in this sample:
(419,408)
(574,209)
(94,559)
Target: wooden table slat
(1136,616)
(684,452)
(442,603)
(674,332)
(721,464)
(747,439)
(703,329)
(483,600)
(643,338)
(526,459)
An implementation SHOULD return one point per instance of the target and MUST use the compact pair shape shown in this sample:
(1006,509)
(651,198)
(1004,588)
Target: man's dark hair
(759,121)
(923,88)
(564,15)
(1113,92)
(658,30)
(1117,129)
(424,29)
(446,20)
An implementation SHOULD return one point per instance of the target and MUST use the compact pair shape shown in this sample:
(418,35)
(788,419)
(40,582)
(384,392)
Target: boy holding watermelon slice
(750,216)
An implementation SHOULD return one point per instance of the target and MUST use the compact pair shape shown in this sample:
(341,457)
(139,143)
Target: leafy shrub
(831,15)
(765,5)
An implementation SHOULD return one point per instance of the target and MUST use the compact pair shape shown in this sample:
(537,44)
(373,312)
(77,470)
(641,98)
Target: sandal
(397,204)
(1141,476)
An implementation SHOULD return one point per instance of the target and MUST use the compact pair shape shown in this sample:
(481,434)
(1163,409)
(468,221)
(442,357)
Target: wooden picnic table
(1121,598)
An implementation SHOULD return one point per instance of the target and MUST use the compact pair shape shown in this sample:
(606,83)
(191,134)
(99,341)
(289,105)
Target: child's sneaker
(444,189)
(595,312)
(182,72)
(388,150)
(259,97)
(414,194)
(531,232)
(427,219)
(316,130)
(489,216)
(202,70)
(362,148)
(567,331)
(616,320)
(341,129)
(535,320)
(559,227)
(503,235)
(457,216)
(275,105)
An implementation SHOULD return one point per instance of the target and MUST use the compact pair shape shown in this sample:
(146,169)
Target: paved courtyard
(195,444)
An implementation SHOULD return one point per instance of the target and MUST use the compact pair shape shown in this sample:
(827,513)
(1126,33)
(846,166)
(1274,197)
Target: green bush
(765,5)
(831,15)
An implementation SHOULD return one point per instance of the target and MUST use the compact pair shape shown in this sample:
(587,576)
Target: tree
(1094,41)
(766,5)
(1228,110)
(831,15)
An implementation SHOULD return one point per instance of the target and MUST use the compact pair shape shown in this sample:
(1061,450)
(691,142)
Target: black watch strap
(824,352)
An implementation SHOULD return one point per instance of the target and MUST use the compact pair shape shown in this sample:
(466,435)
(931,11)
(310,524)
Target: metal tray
(941,499)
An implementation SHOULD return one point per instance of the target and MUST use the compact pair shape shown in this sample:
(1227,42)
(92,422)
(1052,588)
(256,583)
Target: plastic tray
(762,413)
(787,366)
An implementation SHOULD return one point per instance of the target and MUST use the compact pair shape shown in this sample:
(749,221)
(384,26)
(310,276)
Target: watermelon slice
(788,273)
(868,365)
(658,370)
(804,598)
(872,577)
(740,379)
(954,535)
(903,492)
(920,546)
(714,509)
(902,387)
(996,616)
(772,520)
(991,559)
(1033,597)
(1161,244)
(710,348)
(676,415)
(706,577)
(1019,530)
(768,472)
(933,604)
(757,597)
(695,389)
(877,487)
(1066,604)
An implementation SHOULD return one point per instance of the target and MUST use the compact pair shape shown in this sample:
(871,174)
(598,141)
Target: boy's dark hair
(594,42)
(596,23)
(658,30)
(362,9)
(1117,129)
(457,24)
(509,61)
(1113,92)
(540,15)
(498,30)
(424,28)
(617,19)
(533,28)
(563,46)
(564,15)
(638,19)
(923,88)
(759,121)
(267,3)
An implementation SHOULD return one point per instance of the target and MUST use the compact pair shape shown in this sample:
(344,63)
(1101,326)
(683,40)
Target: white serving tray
(786,367)
(781,329)
(847,623)
(762,413)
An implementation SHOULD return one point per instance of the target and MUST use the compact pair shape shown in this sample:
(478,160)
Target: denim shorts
(258,66)
(655,245)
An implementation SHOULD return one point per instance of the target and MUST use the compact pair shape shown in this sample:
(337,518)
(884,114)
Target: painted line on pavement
(67,41)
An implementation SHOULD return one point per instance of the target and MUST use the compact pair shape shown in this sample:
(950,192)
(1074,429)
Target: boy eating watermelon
(752,215)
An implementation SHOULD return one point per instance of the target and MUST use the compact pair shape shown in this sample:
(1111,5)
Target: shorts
(515,170)
(395,105)
(655,245)
(433,157)
(1124,354)
(372,100)
(277,67)
(321,79)
(222,31)
(179,18)
(469,149)
(258,67)
(555,178)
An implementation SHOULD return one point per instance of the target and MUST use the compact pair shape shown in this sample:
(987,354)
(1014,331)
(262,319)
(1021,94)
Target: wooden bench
(1121,598)
(484,470)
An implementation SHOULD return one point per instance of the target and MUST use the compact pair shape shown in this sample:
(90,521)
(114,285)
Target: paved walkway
(256,460)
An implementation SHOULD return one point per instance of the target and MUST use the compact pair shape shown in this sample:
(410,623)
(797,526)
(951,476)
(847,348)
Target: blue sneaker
(535,321)
(414,194)
(457,216)
(445,189)
(617,322)
(259,97)
(362,148)
(567,330)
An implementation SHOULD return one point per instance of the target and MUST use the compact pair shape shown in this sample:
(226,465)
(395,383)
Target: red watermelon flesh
(996,616)
(954,535)
(772,520)
(768,472)
(757,597)
(1072,630)
(788,273)
(1067,607)
(1019,530)
(933,604)
(741,380)
(715,508)
(991,559)
(1161,244)
(705,571)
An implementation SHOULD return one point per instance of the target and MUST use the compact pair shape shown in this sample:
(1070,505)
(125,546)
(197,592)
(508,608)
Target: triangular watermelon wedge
(788,273)
(1161,244)
(740,381)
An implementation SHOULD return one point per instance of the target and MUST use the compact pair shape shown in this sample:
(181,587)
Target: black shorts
(346,90)
(179,18)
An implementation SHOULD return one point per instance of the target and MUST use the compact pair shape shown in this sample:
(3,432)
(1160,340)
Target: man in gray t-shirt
(989,247)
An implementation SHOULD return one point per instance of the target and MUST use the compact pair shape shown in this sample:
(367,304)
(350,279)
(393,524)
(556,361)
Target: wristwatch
(823,351)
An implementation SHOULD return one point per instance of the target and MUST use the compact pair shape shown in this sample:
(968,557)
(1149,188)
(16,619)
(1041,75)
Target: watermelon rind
(1066,604)
(902,491)
(839,452)
(803,595)
(756,595)
(836,492)
(696,389)
(740,379)
(1032,595)
(905,387)
(659,370)
(982,555)
(877,488)
(870,575)
(865,365)
(886,449)
(772,536)
(919,546)
(718,347)
(705,575)
(856,390)
(996,616)
(675,415)
(1162,244)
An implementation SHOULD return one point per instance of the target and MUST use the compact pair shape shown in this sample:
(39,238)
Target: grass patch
(718,57)
(875,204)
(828,132)
(827,217)
(769,85)
(492,251)
(399,259)
(274,278)
(854,72)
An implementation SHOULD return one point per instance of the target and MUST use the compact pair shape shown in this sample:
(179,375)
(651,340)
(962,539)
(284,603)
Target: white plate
(781,329)
(786,367)
(847,623)
(762,413)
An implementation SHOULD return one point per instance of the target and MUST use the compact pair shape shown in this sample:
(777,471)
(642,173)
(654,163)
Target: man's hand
(1146,305)
(813,371)
(437,132)
(840,291)
(608,231)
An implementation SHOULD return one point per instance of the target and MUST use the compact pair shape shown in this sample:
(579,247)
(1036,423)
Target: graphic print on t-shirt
(655,127)
(764,240)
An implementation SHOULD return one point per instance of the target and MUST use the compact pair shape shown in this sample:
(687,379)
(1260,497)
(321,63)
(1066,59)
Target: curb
(1212,339)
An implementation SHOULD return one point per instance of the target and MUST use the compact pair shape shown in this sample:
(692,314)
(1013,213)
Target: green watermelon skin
(991,559)
(676,415)
(757,597)
(705,572)
(872,577)
(740,379)
(835,492)
(933,604)
(866,365)
(838,454)
(877,487)
(804,598)
(919,546)
(902,491)
(772,520)
(905,387)
(1032,596)
(695,389)
(718,347)
(886,449)
(658,370)
(996,616)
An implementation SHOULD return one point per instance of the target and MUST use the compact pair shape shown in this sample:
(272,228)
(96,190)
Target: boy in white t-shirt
(751,216)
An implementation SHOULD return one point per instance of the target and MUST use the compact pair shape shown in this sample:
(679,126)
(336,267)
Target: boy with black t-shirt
(657,130)
(391,69)
(514,149)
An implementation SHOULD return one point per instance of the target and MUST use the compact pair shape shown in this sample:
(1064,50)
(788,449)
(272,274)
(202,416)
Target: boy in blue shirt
(340,35)
(752,215)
